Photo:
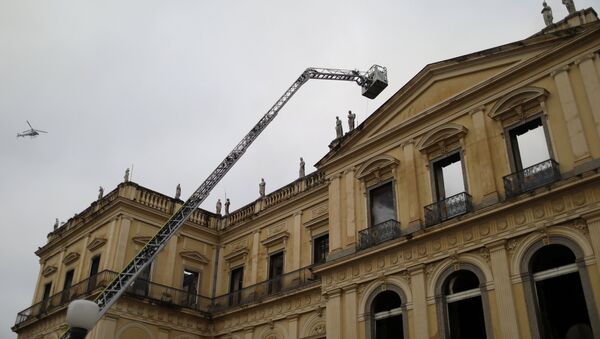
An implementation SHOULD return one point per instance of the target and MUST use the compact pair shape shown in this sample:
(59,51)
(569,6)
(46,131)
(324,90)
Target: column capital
(477,110)
(414,270)
(350,288)
(560,69)
(497,245)
(334,293)
(586,57)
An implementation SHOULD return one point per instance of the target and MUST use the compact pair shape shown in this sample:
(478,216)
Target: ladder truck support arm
(372,82)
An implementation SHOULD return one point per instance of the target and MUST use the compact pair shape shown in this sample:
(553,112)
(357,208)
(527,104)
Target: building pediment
(441,137)
(49,270)
(96,244)
(71,258)
(276,239)
(376,165)
(517,103)
(194,256)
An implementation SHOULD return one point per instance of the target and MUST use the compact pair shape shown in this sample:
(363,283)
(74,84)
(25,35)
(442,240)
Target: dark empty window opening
(190,286)
(275,272)
(382,207)
(320,249)
(236,282)
(141,285)
(555,272)
(387,316)
(94,267)
(528,144)
(67,285)
(47,289)
(465,318)
(448,176)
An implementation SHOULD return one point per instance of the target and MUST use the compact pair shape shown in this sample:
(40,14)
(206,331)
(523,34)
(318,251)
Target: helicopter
(32,132)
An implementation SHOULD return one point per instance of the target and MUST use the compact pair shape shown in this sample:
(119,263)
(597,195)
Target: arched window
(386,311)
(464,313)
(561,306)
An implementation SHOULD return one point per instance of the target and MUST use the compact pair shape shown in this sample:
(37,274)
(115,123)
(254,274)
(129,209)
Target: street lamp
(81,316)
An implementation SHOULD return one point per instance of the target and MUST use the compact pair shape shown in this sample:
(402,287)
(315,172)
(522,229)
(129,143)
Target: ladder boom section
(147,254)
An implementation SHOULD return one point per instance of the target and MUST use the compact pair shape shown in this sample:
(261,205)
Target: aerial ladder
(372,82)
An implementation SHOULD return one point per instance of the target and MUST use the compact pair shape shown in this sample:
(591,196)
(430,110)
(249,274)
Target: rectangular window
(236,282)
(95,265)
(381,204)
(67,286)
(528,144)
(275,272)
(141,285)
(320,249)
(47,289)
(190,286)
(448,177)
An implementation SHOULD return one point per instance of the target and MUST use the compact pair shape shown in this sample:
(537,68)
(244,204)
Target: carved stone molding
(442,139)
(518,104)
(141,240)
(49,271)
(96,244)
(71,258)
(277,239)
(194,256)
(377,166)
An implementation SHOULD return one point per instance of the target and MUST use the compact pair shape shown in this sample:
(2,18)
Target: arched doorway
(561,307)
(386,316)
(464,313)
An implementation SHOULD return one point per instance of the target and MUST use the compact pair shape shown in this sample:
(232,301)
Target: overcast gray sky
(172,86)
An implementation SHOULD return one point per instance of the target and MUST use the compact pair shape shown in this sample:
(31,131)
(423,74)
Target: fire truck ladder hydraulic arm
(372,82)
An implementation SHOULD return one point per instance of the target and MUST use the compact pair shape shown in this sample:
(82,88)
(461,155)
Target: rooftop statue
(126,176)
(339,131)
(178,191)
(227,203)
(547,13)
(100,192)
(301,172)
(218,206)
(56,224)
(261,187)
(351,118)
(570,6)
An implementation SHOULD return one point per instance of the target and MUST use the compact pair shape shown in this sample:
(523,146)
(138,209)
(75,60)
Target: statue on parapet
(339,131)
(261,187)
(56,224)
(178,191)
(301,172)
(218,206)
(570,6)
(100,192)
(126,176)
(547,14)
(227,203)
(351,118)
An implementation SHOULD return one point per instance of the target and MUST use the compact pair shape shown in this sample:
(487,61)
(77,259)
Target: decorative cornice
(317,222)
(194,256)
(141,240)
(236,255)
(560,69)
(376,164)
(517,102)
(440,136)
(70,258)
(96,243)
(276,239)
(49,271)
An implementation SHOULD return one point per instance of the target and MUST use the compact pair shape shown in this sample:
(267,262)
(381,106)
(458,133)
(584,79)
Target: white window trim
(463,295)
(555,272)
(388,314)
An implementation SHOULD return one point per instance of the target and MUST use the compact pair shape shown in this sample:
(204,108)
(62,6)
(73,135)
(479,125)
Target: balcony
(155,293)
(283,284)
(532,177)
(378,234)
(448,208)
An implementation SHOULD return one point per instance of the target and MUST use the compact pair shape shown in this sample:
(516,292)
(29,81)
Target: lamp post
(81,316)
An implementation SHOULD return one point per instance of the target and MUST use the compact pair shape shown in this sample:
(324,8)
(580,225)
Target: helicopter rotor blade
(29,124)
(39,130)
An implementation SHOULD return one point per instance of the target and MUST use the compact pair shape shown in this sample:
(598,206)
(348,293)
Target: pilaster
(163,333)
(507,318)
(296,241)
(334,313)
(350,313)
(593,225)
(105,328)
(293,327)
(591,84)
(350,212)
(485,191)
(254,258)
(335,222)
(410,181)
(122,239)
(248,333)
(571,115)
(417,278)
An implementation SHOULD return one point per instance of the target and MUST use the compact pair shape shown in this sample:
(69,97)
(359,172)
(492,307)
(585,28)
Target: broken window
(95,265)
(528,144)
(448,176)
(236,282)
(141,285)
(381,204)
(464,307)
(67,286)
(387,316)
(45,296)
(275,272)
(554,272)
(320,249)
(190,286)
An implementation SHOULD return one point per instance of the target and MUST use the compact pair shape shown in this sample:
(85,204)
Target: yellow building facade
(466,206)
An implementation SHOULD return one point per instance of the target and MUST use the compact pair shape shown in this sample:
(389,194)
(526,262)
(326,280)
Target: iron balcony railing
(532,177)
(251,294)
(448,208)
(379,233)
(157,293)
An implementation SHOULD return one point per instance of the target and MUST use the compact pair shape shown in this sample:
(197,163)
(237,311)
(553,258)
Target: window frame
(433,173)
(313,241)
(370,315)
(390,181)
(514,162)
